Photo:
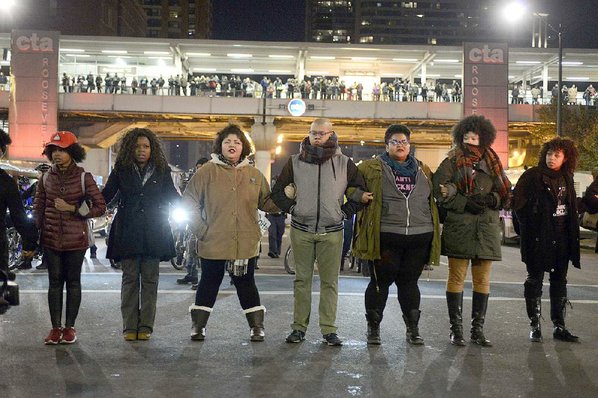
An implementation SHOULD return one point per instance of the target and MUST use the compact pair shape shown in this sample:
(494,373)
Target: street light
(7,6)
(559,99)
(512,12)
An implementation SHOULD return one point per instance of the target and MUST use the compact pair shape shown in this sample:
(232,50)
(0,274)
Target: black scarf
(228,162)
(554,177)
(318,154)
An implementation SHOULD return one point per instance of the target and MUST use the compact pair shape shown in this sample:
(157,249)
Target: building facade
(77,17)
(427,22)
(180,19)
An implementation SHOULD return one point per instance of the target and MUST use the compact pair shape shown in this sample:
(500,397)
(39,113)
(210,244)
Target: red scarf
(467,159)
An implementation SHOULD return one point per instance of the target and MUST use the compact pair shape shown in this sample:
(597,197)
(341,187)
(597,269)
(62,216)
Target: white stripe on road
(290,293)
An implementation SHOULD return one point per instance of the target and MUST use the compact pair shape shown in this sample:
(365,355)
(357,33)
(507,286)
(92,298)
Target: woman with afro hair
(544,201)
(140,236)
(61,210)
(471,186)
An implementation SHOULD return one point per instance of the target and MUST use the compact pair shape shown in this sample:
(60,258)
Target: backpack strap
(83,182)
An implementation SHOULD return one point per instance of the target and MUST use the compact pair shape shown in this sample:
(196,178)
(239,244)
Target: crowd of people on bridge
(399,206)
(311,87)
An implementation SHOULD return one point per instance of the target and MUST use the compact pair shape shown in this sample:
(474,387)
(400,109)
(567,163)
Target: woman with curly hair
(224,197)
(544,201)
(140,236)
(471,186)
(61,211)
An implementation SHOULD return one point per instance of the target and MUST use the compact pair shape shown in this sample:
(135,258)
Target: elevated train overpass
(99,119)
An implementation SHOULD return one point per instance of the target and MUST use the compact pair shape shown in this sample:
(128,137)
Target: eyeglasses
(320,133)
(398,142)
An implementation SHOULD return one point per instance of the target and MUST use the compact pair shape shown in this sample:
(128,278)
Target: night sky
(284,20)
(260,20)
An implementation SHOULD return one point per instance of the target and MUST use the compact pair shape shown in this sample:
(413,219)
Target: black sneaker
(296,336)
(332,339)
(272,255)
(186,280)
(25,264)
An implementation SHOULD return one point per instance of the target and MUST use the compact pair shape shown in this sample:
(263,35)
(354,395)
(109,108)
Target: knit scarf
(467,159)
(406,169)
(318,154)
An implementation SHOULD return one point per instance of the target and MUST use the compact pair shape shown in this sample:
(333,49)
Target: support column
(263,134)
(97,162)
(263,162)
(545,90)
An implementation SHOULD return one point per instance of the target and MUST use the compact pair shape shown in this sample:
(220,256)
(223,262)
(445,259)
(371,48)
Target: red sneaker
(54,337)
(69,336)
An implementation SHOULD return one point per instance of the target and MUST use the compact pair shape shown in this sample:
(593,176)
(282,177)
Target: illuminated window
(366,39)
(409,4)
(173,14)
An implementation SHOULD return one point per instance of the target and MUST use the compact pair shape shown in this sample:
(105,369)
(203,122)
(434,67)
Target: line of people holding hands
(399,205)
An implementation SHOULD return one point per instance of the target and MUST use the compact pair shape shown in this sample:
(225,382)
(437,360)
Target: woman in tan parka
(224,197)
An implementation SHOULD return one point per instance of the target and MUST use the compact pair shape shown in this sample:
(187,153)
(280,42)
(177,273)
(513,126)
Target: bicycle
(361,265)
(289,261)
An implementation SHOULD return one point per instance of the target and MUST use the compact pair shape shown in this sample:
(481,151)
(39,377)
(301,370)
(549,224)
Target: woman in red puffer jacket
(61,211)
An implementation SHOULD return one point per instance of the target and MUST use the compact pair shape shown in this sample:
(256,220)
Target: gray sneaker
(332,339)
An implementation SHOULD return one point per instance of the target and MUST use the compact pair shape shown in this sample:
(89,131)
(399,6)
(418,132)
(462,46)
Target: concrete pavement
(102,364)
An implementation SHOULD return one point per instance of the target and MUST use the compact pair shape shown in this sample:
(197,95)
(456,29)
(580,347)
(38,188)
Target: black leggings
(64,267)
(402,262)
(212,273)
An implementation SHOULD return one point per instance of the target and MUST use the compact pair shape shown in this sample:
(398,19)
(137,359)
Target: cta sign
(485,88)
(33,105)
(296,107)
(34,43)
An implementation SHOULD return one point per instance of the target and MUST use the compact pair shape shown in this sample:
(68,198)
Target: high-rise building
(427,22)
(182,19)
(76,17)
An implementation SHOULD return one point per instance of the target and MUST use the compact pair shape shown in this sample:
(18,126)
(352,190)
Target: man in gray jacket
(320,175)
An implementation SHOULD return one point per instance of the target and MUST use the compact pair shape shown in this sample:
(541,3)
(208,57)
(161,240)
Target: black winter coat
(141,226)
(534,204)
(590,201)
(11,199)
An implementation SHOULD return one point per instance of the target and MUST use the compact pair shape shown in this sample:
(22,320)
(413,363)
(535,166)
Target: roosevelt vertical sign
(33,106)
(485,89)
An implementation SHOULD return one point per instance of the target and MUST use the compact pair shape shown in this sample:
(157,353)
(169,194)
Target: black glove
(473,207)
(487,200)
(490,200)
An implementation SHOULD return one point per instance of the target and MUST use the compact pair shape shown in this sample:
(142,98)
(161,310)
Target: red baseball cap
(62,139)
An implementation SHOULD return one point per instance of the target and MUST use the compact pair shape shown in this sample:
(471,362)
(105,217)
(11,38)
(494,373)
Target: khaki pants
(326,248)
(139,293)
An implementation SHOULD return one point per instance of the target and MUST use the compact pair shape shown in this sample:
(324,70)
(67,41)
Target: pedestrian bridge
(99,118)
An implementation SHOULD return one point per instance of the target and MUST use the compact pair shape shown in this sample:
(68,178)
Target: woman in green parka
(471,185)
(398,232)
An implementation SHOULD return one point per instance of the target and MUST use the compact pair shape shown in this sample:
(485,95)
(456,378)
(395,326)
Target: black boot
(199,319)
(412,329)
(454,302)
(534,312)
(478,315)
(256,323)
(557,315)
(374,318)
